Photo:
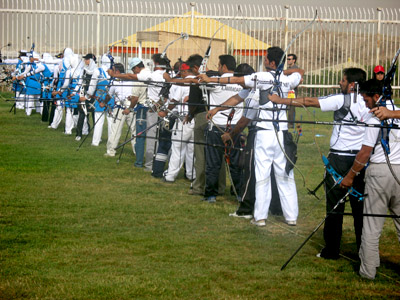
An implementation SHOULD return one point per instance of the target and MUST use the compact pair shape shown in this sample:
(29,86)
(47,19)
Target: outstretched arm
(302,101)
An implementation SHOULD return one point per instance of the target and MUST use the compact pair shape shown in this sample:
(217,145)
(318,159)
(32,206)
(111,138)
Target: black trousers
(81,120)
(333,223)
(248,194)
(215,158)
(164,145)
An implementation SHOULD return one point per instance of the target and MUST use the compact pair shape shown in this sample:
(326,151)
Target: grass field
(75,225)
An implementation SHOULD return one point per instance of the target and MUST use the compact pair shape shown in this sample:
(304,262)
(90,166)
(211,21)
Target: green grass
(75,225)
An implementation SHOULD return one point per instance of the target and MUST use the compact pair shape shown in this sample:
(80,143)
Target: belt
(344,151)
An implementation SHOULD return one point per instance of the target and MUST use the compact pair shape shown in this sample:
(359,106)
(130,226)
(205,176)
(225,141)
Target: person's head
(379,72)
(88,57)
(159,62)
(273,57)
(243,70)
(226,64)
(119,68)
(350,77)
(185,70)
(194,62)
(33,57)
(136,65)
(291,59)
(371,91)
(177,66)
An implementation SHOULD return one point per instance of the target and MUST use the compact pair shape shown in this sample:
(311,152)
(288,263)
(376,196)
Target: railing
(341,37)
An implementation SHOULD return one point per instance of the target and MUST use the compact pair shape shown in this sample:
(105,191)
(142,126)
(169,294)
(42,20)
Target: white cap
(133,62)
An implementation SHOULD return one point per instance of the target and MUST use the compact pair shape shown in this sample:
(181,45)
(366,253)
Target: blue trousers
(141,125)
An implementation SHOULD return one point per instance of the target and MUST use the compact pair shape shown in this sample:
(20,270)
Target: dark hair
(294,56)
(120,67)
(371,87)
(177,66)
(194,60)
(243,69)
(140,65)
(159,60)
(355,75)
(227,60)
(275,54)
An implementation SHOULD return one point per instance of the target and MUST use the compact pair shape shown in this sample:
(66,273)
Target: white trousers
(181,151)
(99,118)
(116,130)
(20,99)
(268,153)
(70,120)
(32,101)
(58,115)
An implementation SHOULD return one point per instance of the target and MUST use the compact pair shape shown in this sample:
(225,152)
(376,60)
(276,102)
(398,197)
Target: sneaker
(96,145)
(323,254)
(109,155)
(291,223)
(67,133)
(211,199)
(193,192)
(167,181)
(235,215)
(78,138)
(259,223)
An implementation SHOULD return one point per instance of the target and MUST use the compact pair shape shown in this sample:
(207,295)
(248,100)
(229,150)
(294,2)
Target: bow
(276,88)
(338,179)
(387,96)
(164,92)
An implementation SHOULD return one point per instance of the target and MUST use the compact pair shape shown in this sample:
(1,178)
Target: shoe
(49,126)
(291,223)
(235,215)
(78,138)
(109,155)
(259,223)
(67,133)
(167,181)
(211,199)
(193,192)
(322,254)
(96,145)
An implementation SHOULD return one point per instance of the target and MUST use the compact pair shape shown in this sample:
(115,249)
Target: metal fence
(340,37)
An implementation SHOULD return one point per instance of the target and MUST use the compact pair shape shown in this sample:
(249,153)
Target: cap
(133,62)
(59,55)
(379,69)
(184,66)
(90,56)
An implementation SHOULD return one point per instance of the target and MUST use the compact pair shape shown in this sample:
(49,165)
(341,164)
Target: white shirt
(218,95)
(94,80)
(121,90)
(371,139)
(140,88)
(344,137)
(153,90)
(265,81)
(179,93)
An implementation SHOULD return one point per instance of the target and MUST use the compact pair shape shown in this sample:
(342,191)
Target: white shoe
(96,145)
(67,133)
(109,155)
(291,223)
(247,217)
(259,223)
(78,138)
